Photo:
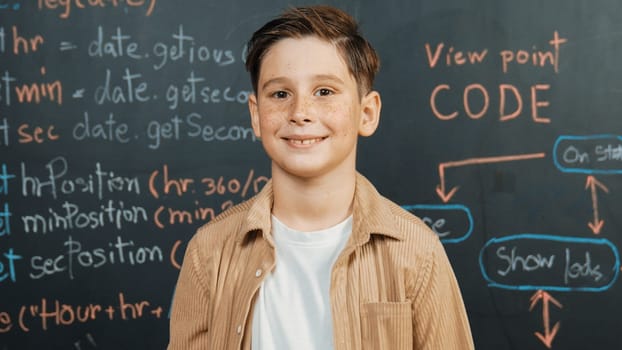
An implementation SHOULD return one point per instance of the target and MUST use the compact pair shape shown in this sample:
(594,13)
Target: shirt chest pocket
(387,325)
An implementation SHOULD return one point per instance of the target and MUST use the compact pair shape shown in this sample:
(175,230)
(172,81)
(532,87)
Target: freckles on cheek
(269,116)
(336,113)
(272,124)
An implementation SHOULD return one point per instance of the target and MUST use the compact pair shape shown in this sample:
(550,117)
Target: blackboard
(124,127)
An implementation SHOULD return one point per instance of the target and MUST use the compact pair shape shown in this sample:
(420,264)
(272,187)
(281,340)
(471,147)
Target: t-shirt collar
(371,214)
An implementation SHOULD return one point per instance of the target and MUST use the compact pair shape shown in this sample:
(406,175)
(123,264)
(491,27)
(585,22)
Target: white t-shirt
(292,310)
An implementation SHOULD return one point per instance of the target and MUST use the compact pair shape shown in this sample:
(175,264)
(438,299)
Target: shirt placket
(260,264)
(340,305)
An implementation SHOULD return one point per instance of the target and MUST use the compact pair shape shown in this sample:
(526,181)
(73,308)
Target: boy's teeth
(305,142)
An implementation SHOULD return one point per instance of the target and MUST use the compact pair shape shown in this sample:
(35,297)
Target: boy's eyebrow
(321,77)
(329,77)
(276,80)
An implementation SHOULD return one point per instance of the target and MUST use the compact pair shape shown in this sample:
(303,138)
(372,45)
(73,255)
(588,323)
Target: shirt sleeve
(439,315)
(189,324)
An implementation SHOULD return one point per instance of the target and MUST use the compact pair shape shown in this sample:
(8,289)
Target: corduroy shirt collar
(369,217)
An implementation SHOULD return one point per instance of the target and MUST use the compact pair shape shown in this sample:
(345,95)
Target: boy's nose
(300,113)
(299,119)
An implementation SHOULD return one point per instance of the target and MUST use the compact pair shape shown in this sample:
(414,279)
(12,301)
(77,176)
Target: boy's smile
(307,110)
(304,140)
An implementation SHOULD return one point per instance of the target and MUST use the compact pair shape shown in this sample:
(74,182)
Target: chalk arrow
(549,334)
(592,183)
(441,188)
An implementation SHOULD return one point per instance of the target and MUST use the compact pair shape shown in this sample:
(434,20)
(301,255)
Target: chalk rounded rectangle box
(555,263)
(453,223)
(590,154)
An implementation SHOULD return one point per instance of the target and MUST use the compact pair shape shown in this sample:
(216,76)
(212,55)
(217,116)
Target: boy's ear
(370,113)
(252,108)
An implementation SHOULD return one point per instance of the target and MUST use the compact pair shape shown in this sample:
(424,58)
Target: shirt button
(258,272)
(239,329)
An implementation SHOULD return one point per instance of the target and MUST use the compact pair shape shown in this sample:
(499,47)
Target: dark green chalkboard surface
(124,127)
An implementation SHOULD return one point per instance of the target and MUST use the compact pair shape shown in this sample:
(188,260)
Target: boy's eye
(280,94)
(323,92)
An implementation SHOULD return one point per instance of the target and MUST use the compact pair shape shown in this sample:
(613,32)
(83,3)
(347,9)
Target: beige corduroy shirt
(392,286)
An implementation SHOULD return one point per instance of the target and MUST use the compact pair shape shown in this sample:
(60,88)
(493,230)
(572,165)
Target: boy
(318,259)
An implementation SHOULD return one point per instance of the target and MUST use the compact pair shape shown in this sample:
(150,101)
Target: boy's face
(307,111)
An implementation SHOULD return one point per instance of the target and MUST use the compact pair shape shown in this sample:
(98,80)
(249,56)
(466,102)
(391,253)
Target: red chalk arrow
(441,190)
(549,334)
(592,183)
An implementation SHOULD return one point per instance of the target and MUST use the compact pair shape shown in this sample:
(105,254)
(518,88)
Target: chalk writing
(476,97)
(134,89)
(66,6)
(192,126)
(119,252)
(5,220)
(520,263)
(57,181)
(4,131)
(72,217)
(174,256)
(184,49)
(34,92)
(108,130)
(36,134)
(556,263)
(91,344)
(6,87)
(453,223)
(118,46)
(5,212)
(482,98)
(7,265)
(452,56)
(4,180)
(167,216)
(591,154)
(10,6)
(24,45)
(192,91)
(537,58)
(582,268)
(163,183)
(179,48)
(5,322)
(54,313)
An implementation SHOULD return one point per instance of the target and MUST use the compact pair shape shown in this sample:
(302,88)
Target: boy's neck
(313,204)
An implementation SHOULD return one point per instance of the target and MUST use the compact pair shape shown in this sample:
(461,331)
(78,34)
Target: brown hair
(327,23)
